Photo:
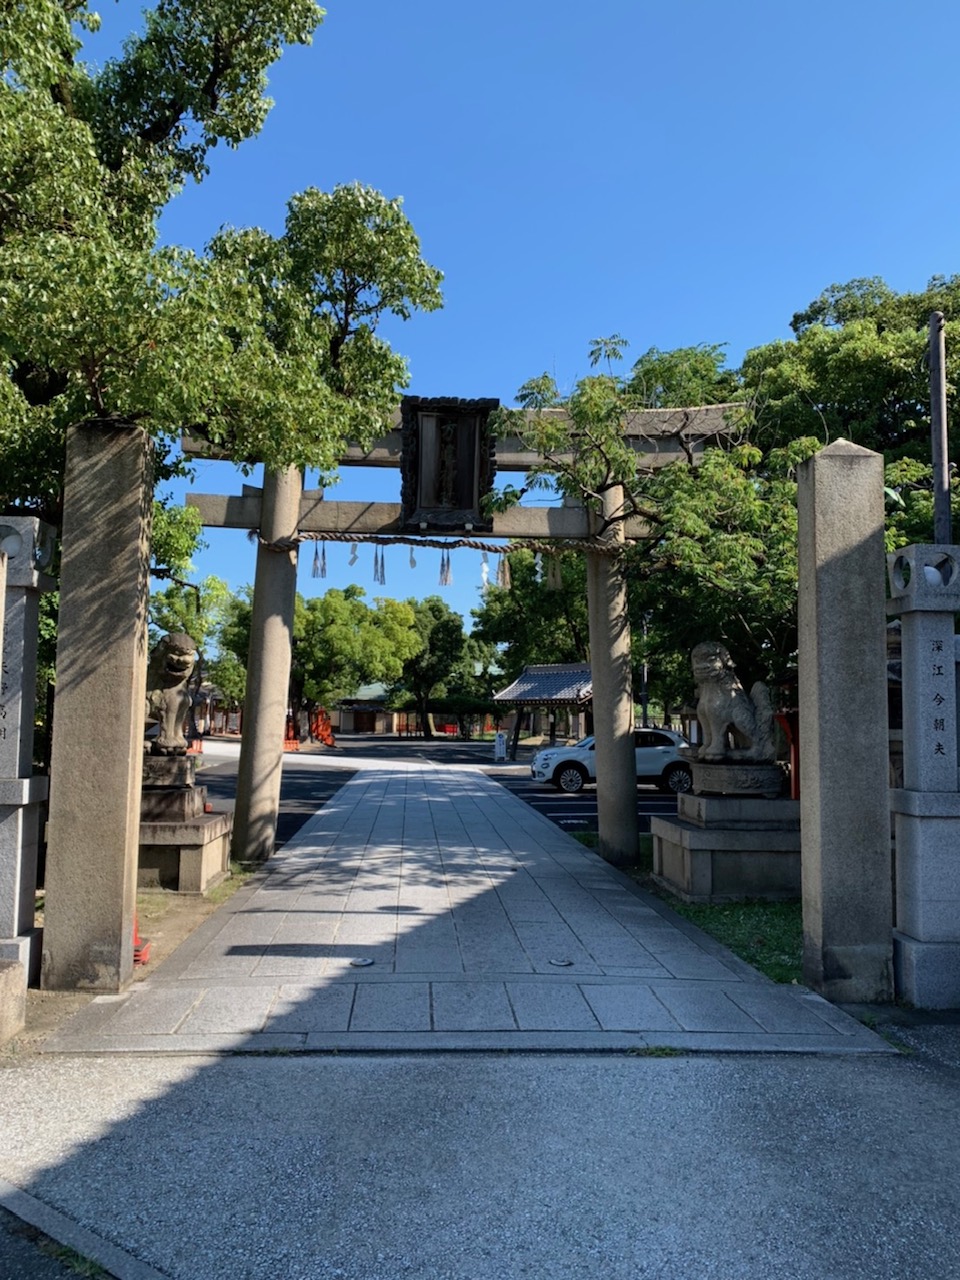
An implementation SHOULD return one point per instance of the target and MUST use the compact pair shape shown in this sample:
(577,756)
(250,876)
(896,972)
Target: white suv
(658,761)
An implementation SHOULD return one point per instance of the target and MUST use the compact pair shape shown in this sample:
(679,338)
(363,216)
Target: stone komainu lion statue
(171,665)
(723,705)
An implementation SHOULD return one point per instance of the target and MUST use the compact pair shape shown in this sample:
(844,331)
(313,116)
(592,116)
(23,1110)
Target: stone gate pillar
(28,546)
(844,800)
(925,586)
(97,758)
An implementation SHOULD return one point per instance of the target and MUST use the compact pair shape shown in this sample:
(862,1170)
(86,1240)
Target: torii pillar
(268,671)
(611,673)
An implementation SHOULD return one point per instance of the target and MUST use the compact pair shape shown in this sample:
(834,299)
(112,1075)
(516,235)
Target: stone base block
(715,865)
(19,852)
(858,974)
(19,791)
(26,949)
(737,778)
(169,771)
(738,813)
(13,999)
(927,974)
(172,804)
(185,857)
(928,876)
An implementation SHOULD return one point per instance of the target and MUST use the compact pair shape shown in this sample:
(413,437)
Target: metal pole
(942,525)
(644,677)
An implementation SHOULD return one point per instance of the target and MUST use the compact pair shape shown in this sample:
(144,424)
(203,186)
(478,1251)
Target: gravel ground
(494,1167)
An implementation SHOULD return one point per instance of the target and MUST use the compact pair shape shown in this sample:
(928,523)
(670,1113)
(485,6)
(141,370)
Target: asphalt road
(579,812)
(305,786)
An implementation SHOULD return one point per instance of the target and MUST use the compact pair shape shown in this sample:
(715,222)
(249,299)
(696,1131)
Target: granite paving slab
(425,908)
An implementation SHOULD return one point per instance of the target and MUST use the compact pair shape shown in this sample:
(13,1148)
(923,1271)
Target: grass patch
(645,855)
(768,935)
(75,1262)
(154,904)
(240,873)
(67,1257)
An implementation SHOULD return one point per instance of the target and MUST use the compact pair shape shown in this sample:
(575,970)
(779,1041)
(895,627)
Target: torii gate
(448,462)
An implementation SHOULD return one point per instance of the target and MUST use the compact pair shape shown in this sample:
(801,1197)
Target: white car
(658,761)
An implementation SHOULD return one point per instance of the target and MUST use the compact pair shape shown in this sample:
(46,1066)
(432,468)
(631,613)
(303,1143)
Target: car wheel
(570,778)
(676,778)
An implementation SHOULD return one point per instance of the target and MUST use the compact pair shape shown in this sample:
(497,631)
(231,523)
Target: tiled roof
(557,684)
(371,696)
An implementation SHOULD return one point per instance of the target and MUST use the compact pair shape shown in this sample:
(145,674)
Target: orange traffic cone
(141,946)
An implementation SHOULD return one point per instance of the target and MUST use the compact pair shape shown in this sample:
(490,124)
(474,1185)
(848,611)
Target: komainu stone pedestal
(182,848)
(729,848)
(743,778)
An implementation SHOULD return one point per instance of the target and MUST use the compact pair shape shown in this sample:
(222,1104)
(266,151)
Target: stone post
(925,586)
(611,672)
(97,753)
(844,801)
(268,672)
(26,546)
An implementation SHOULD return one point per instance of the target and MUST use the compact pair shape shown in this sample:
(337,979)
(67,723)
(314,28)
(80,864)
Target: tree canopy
(265,346)
(719,556)
(428,672)
(541,617)
(341,643)
(857,368)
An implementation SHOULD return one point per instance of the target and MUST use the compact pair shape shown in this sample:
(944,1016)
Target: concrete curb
(65,1231)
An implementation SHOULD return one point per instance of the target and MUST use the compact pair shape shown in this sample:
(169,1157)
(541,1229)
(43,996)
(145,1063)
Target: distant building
(365,712)
(552,693)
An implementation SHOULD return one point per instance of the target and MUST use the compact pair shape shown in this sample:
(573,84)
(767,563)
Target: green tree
(227,667)
(722,564)
(229,675)
(541,617)
(314,372)
(196,608)
(857,368)
(718,558)
(683,377)
(265,347)
(176,536)
(340,643)
(471,684)
(97,321)
(233,631)
(426,672)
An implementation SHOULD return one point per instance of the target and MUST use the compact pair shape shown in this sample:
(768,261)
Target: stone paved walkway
(427,908)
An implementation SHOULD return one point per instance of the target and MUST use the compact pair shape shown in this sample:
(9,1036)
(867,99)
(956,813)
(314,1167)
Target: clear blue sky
(677,172)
